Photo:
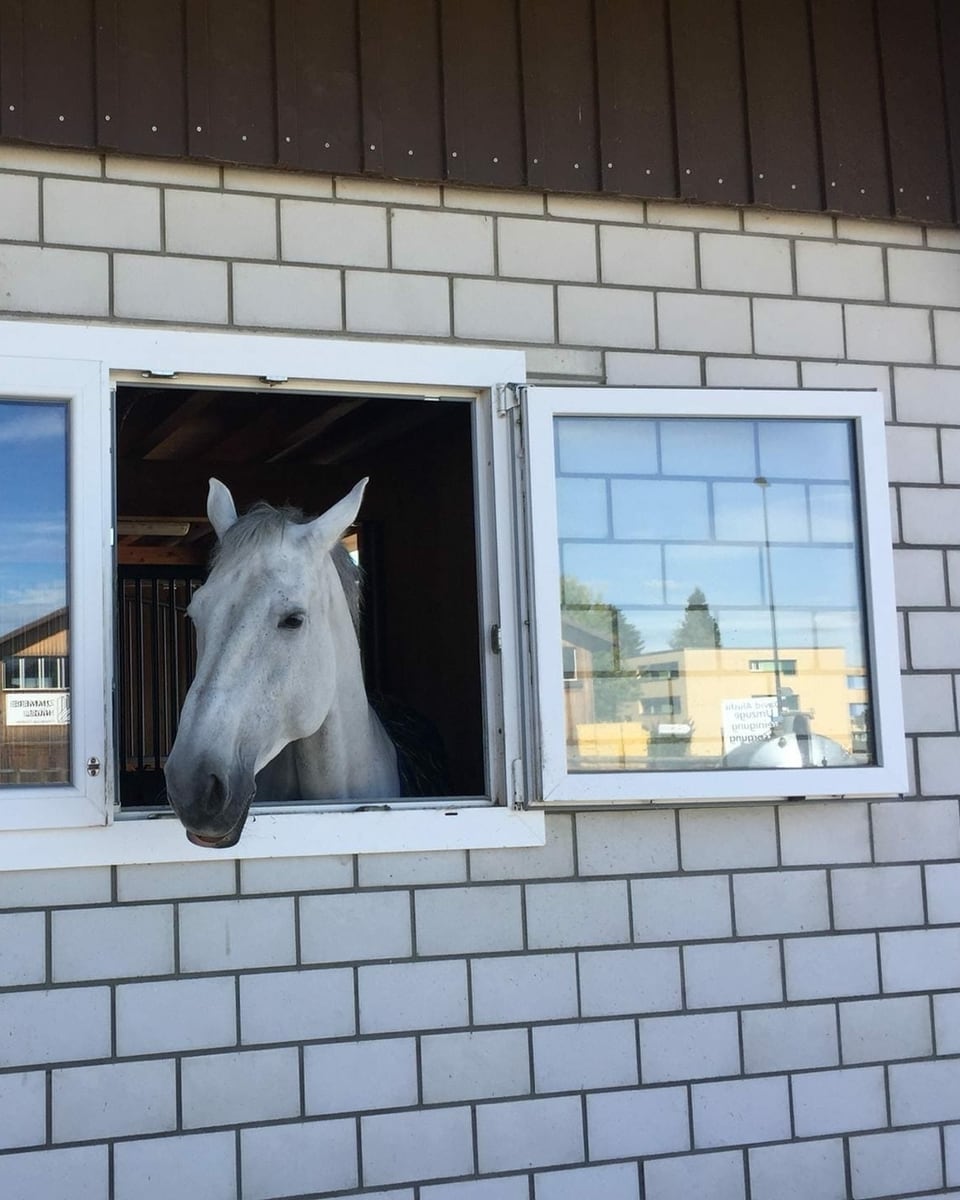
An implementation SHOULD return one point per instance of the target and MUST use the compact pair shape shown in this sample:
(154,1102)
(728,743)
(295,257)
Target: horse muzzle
(212,811)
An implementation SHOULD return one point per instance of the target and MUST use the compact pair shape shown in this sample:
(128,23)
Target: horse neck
(350,755)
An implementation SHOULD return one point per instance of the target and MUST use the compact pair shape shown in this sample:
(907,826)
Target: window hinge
(508,397)
(516,781)
(496,639)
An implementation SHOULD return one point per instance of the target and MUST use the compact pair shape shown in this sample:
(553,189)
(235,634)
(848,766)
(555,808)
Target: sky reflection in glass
(33,512)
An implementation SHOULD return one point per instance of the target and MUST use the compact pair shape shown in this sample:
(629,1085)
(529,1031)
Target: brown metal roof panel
(916,125)
(58,71)
(401,88)
(950,64)
(482,93)
(11,69)
(231,93)
(560,97)
(141,77)
(855,172)
(638,151)
(711,120)
(318,85)
(781,105)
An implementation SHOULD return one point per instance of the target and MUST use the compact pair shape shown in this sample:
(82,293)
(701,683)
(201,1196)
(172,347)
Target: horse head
(273,633)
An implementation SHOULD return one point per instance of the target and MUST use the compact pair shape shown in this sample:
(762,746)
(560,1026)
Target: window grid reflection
(712,594)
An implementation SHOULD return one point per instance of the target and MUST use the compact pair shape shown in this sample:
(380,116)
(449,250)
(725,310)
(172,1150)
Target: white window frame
(49,828)
(85,800)
(552,783)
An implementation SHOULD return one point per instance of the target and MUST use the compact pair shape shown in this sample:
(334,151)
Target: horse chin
(216,843)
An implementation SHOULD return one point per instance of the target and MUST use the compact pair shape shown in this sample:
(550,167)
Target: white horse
(278,705)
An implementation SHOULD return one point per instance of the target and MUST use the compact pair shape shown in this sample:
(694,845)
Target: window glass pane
(711,594)
(34,746)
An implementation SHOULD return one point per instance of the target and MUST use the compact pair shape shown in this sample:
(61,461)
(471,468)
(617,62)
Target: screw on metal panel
(454,154)
(61,117)
(153,128)
(106,116)
(326,145)
(199,129)
(13,108)
(410,153)
(719,181)
(759,174)
(243,137)
(496,160)
(372,146)
(609,166)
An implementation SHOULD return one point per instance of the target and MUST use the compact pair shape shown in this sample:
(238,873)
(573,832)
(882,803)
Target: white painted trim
(286,835)
(319,360)
(558,786)
(99,352)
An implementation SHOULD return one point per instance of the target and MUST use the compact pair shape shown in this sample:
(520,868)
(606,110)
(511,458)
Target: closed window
(709,539)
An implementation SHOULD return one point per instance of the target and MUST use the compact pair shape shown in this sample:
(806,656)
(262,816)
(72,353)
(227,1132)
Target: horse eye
(291,621)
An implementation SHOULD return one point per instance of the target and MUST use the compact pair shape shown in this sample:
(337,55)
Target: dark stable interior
(416,541)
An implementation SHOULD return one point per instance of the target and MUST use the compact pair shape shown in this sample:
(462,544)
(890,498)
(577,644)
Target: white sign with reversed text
(747,720)
(38,708)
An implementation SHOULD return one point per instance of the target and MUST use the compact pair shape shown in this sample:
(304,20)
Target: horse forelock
(262,524)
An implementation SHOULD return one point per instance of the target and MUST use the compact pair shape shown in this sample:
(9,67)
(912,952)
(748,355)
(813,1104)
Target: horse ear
(221,509)
(334,523)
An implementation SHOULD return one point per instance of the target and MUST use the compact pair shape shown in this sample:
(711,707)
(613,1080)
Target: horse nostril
(216,795)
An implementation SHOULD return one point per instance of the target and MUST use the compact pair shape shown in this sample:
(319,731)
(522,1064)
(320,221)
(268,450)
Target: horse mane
(264,523)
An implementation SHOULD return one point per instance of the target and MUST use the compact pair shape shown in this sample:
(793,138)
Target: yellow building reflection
(690,707)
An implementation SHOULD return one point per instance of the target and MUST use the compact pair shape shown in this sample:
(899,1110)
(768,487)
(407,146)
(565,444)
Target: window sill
(287,835)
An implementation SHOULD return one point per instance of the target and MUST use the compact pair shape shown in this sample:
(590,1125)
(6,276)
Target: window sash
(80,384)
(554,783)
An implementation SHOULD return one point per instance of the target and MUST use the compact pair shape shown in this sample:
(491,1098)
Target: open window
(416,543)
(111,435)
(718,566)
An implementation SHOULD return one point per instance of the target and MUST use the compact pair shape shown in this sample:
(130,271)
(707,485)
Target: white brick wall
(799,1171)
(756,1001)
(359,1076)
(733,263)
(82,213)
(291,1159)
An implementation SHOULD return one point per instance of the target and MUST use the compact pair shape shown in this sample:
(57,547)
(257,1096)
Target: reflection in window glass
(35,713)
(711,594)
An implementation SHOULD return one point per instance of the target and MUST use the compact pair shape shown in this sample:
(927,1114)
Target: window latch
(93,766)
